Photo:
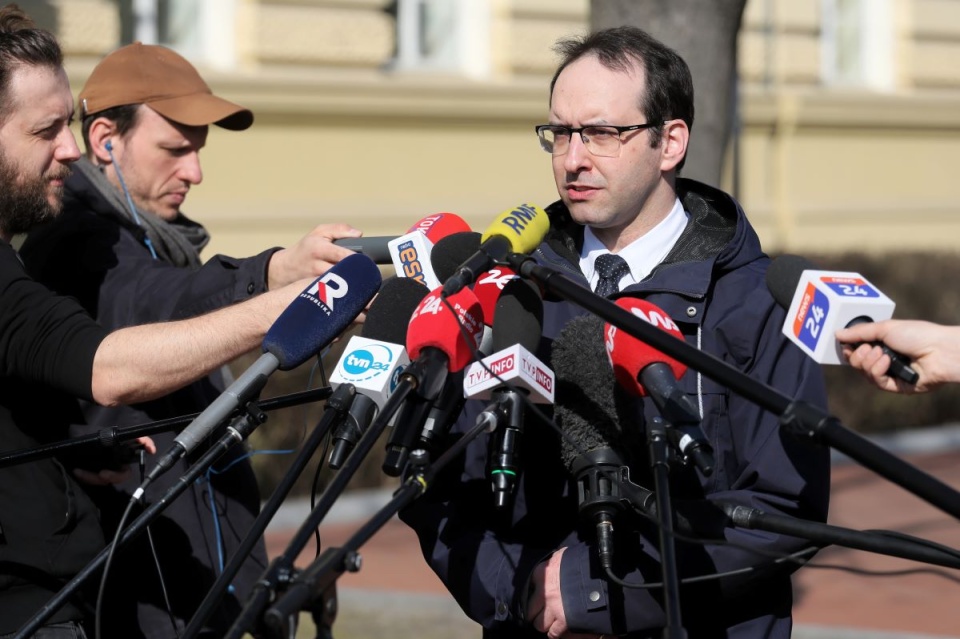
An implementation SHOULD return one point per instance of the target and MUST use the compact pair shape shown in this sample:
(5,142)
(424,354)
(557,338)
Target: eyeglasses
(603,141)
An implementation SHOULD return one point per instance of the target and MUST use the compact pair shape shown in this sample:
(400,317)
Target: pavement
(843,593)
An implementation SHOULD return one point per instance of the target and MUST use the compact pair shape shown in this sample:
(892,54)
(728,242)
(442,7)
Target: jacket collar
(717,236)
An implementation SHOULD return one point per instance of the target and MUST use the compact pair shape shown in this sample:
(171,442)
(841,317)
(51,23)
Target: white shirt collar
(643,254)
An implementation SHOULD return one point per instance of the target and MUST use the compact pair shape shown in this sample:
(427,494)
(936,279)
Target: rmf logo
(518,218)
(328,288)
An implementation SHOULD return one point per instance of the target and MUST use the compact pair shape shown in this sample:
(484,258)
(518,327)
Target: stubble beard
(25,202)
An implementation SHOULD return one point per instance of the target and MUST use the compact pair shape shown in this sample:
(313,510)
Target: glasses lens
(602,141)
(554,139)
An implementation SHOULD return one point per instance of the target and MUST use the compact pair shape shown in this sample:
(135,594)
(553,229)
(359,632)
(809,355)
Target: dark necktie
(611,268)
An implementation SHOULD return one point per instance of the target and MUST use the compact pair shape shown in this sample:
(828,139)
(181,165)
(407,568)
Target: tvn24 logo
(369,362)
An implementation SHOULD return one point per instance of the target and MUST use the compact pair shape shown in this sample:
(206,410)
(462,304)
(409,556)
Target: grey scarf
(178,242)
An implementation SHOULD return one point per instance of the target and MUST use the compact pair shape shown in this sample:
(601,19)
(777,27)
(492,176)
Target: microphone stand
(800,419)
(112,436)
(238,430)
(280,571)
(334,410)
(309,590)
(659,462)
(708,519)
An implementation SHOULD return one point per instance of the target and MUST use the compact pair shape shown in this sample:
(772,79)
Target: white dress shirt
(643,254)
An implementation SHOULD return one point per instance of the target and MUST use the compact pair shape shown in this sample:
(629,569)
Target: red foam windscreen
(488,288)
(628,355)
(432,324)
(440,225)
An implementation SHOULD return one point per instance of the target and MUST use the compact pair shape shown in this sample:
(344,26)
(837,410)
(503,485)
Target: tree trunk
(704,33)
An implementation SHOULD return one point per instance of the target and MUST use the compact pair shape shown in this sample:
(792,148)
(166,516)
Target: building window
(203,32)
(857,41)
(444,36)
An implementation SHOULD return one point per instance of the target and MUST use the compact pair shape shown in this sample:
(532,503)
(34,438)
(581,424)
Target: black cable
(106,567)
(156,556)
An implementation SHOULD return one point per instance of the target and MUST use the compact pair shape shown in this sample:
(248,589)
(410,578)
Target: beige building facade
(379,112)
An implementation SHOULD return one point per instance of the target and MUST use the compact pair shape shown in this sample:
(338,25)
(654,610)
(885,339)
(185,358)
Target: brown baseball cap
(161,78)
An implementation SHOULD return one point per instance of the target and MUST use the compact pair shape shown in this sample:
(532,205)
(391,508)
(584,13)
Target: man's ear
(673,144)
(101,135)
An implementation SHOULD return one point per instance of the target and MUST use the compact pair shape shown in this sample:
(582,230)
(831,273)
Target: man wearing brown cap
(124,249)
(51,351)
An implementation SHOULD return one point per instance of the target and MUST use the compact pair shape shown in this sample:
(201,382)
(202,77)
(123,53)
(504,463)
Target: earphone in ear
(108,146)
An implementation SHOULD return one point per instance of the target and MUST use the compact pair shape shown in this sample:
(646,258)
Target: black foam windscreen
(452,251)
(586,403)
(784,275)
(389,315)
(518,316)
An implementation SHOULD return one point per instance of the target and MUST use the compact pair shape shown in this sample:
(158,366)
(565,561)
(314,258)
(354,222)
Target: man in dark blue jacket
(621,109)
(125,250)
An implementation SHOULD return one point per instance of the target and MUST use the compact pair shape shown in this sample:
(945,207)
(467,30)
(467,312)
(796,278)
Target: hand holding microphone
(312,255)
(317,316)
(383,249)
(819,303)
(934,349)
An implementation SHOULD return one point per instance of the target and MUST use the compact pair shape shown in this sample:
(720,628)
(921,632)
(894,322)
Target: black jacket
(97,255)
(712,285)
(49,529)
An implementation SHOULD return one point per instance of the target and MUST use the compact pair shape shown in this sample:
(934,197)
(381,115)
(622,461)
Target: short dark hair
(124,117)
(668,93)
(23,43)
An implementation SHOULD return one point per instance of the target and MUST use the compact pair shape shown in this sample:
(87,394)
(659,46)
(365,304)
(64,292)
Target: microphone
(377,248)
(642,370)
(819,303)
(373,361)
(516,335)
(587,412)
(451,251)
(518,324)
(318,315)
(446,258)
(440,225)
(518,230)
(410,253)
(489,287)
(437,345)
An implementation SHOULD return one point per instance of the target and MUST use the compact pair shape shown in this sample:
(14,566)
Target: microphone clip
(505,445)
(604,486)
